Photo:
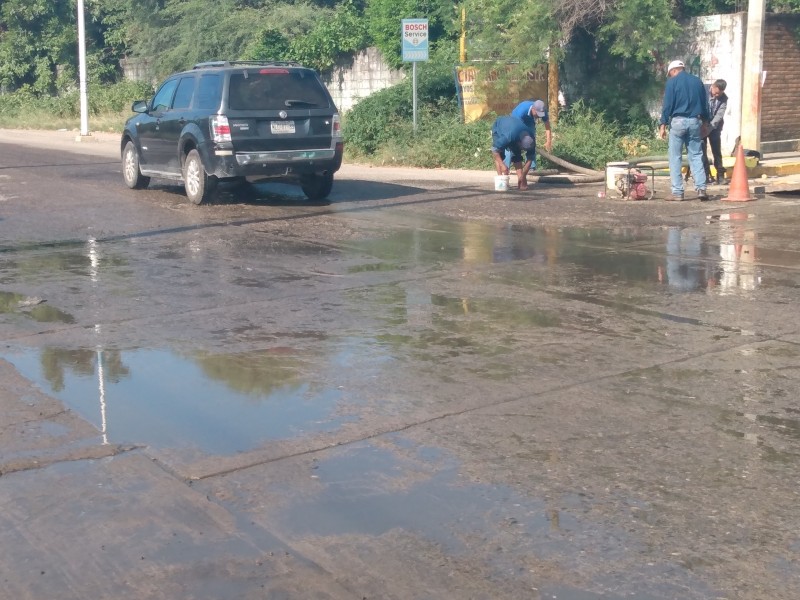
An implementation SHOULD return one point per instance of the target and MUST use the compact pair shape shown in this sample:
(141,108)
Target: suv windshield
(275,89)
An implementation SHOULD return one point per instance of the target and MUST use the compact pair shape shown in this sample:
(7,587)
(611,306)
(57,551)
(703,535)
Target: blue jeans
(685,131)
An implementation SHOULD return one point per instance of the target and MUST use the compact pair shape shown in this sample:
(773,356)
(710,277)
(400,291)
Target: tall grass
(109,107)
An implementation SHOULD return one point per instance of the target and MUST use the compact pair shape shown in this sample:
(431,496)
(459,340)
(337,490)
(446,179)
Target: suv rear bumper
(227,163)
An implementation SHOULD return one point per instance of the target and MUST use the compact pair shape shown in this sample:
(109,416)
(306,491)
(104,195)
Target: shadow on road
(287,194)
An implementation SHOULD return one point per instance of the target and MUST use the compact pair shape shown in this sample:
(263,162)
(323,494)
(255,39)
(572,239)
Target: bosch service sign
(415,39)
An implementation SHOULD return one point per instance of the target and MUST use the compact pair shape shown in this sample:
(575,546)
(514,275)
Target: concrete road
(425,390)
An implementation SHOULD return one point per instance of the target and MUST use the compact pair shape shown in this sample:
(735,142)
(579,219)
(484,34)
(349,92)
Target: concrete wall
(136,69)
(365,74)
(712,48)
(350,81)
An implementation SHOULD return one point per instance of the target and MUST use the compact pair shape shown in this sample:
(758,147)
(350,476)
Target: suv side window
(209,92)
(183,95)
(163,97)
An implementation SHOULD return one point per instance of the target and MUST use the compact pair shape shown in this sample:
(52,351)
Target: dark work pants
(715,139)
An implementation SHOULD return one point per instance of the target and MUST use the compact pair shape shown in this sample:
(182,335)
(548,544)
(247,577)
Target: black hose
(568,179)
(569,166)
(582,174)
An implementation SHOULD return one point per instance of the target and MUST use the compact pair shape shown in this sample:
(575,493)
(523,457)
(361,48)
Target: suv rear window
(275,89)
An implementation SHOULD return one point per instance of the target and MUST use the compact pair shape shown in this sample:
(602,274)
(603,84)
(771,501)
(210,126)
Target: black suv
(232,120)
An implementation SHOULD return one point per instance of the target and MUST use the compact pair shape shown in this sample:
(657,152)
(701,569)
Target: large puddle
(721,256)
(218,403)
(227,403)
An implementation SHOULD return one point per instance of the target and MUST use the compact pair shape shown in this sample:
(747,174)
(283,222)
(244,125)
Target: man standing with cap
(685,110)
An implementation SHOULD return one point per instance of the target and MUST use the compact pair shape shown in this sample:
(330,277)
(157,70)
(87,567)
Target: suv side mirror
(139,106)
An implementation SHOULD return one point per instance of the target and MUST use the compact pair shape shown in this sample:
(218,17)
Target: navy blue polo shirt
(684,96)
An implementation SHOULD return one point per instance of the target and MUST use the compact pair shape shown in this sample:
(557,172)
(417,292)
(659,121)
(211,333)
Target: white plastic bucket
(501,183)
(613,170)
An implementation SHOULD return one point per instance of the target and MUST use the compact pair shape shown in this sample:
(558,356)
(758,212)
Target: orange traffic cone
(739,190)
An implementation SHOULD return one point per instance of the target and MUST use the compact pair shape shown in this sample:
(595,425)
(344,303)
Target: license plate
(279,127)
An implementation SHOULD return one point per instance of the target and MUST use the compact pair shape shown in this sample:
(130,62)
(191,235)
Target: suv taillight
(220,130)
(336,129)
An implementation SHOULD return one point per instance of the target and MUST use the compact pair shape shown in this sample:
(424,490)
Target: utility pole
(752,75)
(82,71)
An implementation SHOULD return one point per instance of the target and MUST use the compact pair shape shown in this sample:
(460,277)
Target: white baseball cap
(538,107)
(674,65)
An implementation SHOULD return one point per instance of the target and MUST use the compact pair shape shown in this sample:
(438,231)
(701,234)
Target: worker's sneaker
(675,198)
(703,195)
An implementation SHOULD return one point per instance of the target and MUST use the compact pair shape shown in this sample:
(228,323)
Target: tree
(344,33)
(38,43)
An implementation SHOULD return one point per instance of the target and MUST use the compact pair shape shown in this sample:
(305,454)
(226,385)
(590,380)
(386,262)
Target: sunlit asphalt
(424,389)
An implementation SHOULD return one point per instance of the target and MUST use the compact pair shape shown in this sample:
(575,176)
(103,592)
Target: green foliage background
(620,39)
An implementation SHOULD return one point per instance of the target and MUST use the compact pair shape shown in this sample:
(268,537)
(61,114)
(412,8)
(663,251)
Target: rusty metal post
(463,42)
(552,88)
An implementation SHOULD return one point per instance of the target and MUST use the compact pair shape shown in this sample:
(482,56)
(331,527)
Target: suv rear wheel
(130,168)
(199,184)
(317,186)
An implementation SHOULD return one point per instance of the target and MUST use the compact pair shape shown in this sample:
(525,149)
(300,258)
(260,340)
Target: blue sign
(415,39)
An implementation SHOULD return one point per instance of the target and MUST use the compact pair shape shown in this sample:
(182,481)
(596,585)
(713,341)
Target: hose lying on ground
(569,166)
(583,175)
(566,178)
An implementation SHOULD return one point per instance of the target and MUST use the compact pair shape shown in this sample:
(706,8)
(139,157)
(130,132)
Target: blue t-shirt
(523,111)
(684,96)
(507,131)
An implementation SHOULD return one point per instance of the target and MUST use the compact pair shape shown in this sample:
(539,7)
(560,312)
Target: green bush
(109,106)
(587,138)
(386,115)
(115,98)
(380,130)
(441,141)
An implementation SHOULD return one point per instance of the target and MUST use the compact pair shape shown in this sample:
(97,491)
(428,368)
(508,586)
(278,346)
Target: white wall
(712,48)
(349,82)
(365,74)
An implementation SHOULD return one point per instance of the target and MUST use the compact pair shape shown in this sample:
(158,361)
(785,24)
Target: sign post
(415,49)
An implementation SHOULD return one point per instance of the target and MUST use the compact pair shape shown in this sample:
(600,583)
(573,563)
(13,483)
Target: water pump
(633,185)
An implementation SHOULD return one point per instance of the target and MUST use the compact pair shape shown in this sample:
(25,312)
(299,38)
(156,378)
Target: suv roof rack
(254,63)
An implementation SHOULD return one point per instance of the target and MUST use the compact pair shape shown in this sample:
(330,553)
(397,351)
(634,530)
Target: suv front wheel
(199,184)
(316,186)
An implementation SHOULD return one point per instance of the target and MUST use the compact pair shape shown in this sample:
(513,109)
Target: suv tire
(199,185)
(316,187)
(130,168)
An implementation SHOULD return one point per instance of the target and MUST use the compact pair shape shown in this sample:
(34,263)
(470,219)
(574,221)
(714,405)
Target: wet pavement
(422,390)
